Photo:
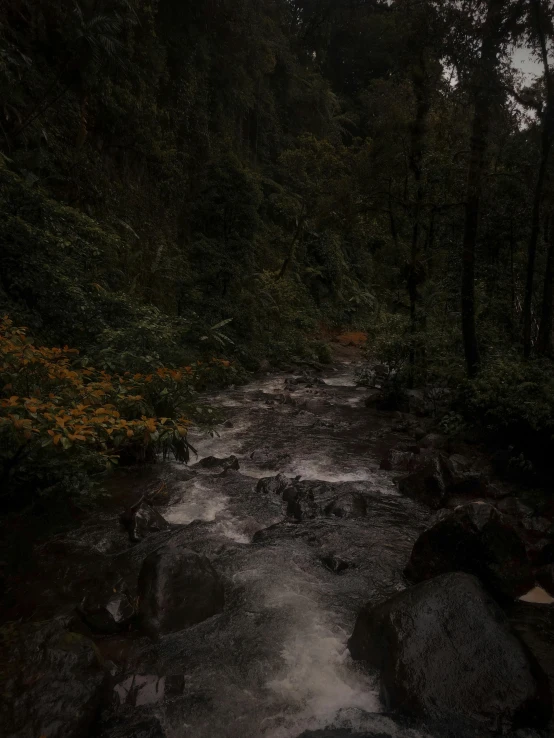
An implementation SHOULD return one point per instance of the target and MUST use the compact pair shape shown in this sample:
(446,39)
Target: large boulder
(445,652)
(52,681)
(177,588)
(434,477)
(478,539)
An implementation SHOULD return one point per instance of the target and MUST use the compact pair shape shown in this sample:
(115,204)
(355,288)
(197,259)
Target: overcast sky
(527,64)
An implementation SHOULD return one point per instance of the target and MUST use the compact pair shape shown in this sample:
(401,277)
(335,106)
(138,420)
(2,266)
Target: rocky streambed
(324,568)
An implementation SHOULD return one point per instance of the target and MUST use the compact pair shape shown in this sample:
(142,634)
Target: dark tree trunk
(420,82)
(544,345)
(532,248)
(546,142)
(484,75)
(292,247)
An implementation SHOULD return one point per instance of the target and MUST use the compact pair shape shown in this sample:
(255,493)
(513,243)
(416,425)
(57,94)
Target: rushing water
(275,663)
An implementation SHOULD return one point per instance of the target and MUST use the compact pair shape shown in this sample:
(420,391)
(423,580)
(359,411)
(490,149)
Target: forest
(238,179)
(256,173)
(199,194)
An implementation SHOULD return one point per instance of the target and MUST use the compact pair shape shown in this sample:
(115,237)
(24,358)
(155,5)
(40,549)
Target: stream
(274,663)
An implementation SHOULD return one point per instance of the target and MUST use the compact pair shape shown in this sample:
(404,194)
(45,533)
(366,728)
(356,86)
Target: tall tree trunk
(532,248)
(485,72)
(420,81)
(544,345)
(292,247)
(546,142)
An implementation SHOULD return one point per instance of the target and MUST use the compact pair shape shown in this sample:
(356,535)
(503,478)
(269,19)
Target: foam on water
(200,502)
(225,443)
(317,679)
(343,380)
(320,469)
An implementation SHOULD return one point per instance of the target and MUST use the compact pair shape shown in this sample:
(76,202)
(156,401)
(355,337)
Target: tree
(494,32)
(546,116)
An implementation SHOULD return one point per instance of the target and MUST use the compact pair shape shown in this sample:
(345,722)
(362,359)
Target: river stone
(348,505)
(141,520)
(52,681)
(429,482)
(334,563)
(479,540)
(272,485)
(435,441)
(177,588)
(212,462)
(107,612)
(129,724)
(399,460)
(445,651)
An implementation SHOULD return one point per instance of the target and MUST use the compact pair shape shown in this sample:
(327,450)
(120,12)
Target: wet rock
(398,460)
(141,520)
(416,402)
(545,577)
(514,508)
(445,652)
(268,458)
(285,398)
(429,482)
(349,505)
(460,464)
(536,531)
(132,724)
(314,404)
(419,432)
(272,485)
(212,462)
(301,503)
(107,612)
(380,726)
(373,398)
(476,539)
(435,441)
(52,681)
(177,588)
(470,479)
(139,690)
(335,563)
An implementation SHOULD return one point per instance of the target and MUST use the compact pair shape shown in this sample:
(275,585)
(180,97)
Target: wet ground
(275,662)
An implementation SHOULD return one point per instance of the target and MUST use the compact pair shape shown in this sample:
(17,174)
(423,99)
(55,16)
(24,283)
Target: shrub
(56,410)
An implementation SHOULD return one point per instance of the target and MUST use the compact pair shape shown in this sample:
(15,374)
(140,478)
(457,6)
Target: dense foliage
(58,414)
(181,179)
